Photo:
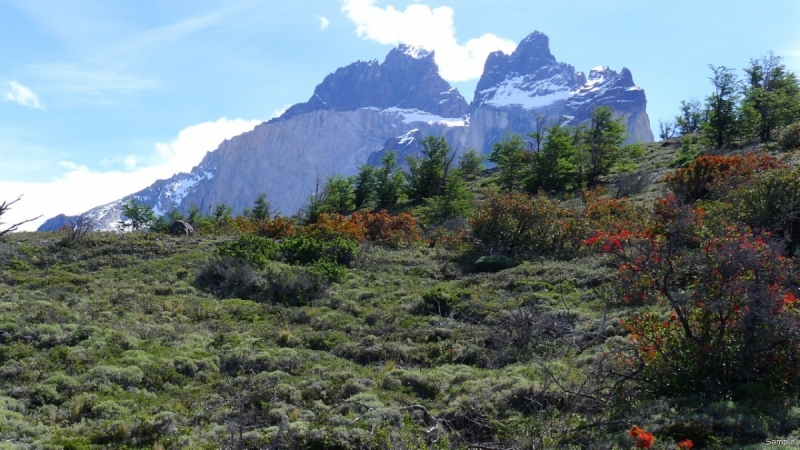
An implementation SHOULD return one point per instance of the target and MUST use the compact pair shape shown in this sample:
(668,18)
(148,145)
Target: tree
(666,129)
(721,124)
(427,175)
(540,128)
(771,96)
(221,216)
(389,180)
(4,208)
(262,209)
(365,186)
(690,119)
(512,160)
(601,149)
(139,215)
(339,195)
(455,201)
(313,207)
(471,163)
(553,167)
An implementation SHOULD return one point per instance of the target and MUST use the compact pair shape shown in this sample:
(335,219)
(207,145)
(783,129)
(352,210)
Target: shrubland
(581,294)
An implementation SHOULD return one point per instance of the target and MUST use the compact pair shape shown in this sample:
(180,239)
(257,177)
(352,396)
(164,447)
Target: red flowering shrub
(730,298)
(708,177)
(516,222)
(642,439)
(685,444)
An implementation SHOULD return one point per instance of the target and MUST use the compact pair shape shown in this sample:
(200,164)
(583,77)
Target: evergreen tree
(366,186)
(262,209)
(455,201)
(427,175)
(339,195)
(553,167)
(601,148)
(513,160)
(721,124)
(471,163)
(389,180)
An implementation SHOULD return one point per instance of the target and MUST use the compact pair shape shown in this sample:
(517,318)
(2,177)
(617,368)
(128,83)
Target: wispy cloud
(75,79)
(80,188)
(72,79)
(431,28)
(323,22)
(17,93)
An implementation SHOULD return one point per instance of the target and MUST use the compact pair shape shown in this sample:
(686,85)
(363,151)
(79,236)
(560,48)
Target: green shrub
(439,301)
(770,203)
(307,250)
(494,263)
(254,250)
(789,137)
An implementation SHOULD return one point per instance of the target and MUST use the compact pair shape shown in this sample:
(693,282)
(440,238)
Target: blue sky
(99,98)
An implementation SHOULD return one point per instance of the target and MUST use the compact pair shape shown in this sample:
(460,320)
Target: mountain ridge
(362,110)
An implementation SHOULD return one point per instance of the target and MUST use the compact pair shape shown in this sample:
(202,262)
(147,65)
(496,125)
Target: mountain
(365,109)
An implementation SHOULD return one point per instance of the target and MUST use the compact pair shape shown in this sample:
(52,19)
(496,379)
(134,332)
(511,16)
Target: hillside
(125,341)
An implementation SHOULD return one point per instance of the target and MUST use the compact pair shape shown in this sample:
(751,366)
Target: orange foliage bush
(278,228)
(708,177)
(388,230)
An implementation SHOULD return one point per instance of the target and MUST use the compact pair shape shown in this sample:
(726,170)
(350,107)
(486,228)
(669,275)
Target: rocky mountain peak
(408,78)
(530,77)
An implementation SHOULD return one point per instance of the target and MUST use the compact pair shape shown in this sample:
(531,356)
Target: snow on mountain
(366,109)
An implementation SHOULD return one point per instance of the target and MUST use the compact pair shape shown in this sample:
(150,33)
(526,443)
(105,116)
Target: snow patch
(529,94)
(416,115)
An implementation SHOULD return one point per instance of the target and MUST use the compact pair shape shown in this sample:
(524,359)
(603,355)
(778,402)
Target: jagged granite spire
(408,78)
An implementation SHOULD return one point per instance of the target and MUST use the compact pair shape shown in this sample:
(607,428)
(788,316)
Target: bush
(230,277)
(789,137)
(514,222)
(309,250)
(770,203)
(253,250)
(439,301)
(384,229)
(731,302)
(494,263)
(709,177)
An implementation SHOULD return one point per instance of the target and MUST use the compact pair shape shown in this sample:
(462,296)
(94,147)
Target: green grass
(113,343)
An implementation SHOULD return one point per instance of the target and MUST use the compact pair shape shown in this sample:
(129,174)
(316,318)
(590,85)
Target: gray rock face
(181,228)
(55,223)
(407,79)
(366,109)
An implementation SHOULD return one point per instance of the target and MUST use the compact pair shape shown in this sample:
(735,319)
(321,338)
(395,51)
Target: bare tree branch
(4,207)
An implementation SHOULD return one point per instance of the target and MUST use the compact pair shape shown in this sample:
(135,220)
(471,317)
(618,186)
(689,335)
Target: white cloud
(80,188)
(323,22)
(431,28)
(17,93)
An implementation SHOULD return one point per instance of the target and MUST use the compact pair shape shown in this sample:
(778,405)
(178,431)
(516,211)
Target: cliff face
(515,87)
(407,79)
(366,109)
